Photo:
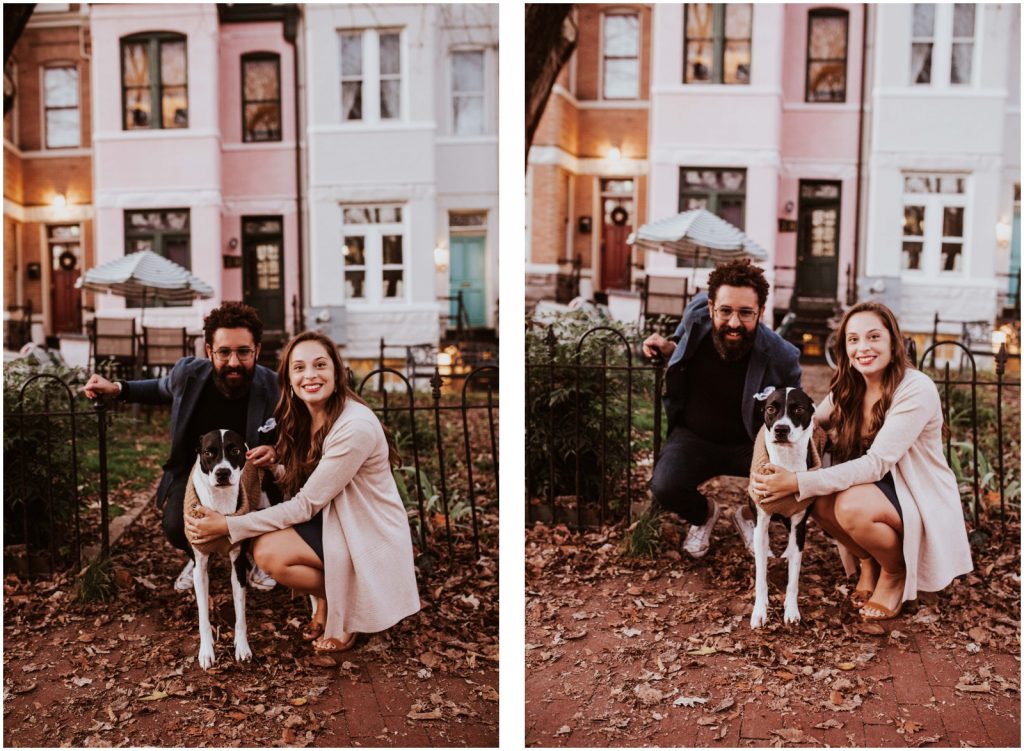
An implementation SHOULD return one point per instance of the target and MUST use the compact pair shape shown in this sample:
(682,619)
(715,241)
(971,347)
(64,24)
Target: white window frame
(934,203)
(639,59)
(372,78)
(373,250)
(58,65)
(942,47)
(485,121)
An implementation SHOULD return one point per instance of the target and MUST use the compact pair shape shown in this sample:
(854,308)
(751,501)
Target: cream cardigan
(909,444)
(368,560)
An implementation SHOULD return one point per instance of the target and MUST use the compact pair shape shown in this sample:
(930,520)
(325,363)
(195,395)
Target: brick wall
(13,186)
(42,178)
(559,125)
(10,270)
(549,213)
(601,129)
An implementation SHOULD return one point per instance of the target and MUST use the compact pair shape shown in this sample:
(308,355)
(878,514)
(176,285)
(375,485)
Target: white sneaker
(698,539)
(745,527)
(260,579)
(184,581)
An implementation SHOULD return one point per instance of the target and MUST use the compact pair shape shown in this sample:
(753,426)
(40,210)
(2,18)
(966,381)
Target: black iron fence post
(551,341)
(100,408)
(1001,358)
(659,373)
(435,389)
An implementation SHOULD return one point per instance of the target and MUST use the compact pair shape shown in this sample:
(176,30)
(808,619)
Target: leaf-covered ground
(633,652)
(125,673)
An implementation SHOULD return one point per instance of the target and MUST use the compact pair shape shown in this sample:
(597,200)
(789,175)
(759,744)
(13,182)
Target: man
(723,357)
(226,390)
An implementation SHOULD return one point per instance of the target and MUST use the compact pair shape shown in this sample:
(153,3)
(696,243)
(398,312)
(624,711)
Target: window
(373,252)
(722,191)
(261,97)
(717,48)
(933,223)
(468,92)
(163,231)
(827,34)
(65,241)
(621,56)
(60,98)
(154,81)
(371,75)
(942,43)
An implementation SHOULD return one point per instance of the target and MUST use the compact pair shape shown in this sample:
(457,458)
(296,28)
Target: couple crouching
(889,498)
(342,535)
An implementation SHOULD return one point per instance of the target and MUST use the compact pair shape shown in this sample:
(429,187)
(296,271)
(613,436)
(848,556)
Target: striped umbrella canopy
(698,235)
(147,275)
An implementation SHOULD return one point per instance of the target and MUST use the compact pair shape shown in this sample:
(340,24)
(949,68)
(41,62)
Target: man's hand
(97,385)
(658,343)
(261,456)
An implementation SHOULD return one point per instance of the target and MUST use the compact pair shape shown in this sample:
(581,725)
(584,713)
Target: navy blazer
(773,362)
(181,389)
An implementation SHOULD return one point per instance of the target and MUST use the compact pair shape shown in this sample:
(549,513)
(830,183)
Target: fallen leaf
(981,688)
(790,735)
(726,703)
(846,665)
(155,696)
(434,714)
(631,632)
(836,698)
(81,681)
(647,695)
(702,651)
(707,720)
(688,701)
(564,730)
(298,702)
(829,723)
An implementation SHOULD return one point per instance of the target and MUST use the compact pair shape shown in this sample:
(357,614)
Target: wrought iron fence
(451,466)
(43,433)
(585,403)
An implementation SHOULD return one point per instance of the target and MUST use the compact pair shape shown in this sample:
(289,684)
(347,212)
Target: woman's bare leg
(288,558)
(873,523)
(824,514)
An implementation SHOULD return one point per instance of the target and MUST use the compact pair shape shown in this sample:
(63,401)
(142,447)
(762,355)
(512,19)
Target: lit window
(717,48)
(826,55)
(166,232)
(373,252)
(261,97)
(154,81)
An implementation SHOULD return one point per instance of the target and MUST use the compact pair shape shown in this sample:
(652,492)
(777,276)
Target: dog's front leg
(794,554)
(760,614)
(242,651)
(201,582)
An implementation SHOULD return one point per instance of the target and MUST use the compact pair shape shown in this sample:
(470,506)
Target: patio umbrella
(698,235)
(145,274)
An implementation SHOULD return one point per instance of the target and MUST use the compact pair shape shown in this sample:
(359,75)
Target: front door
(468,271)
(263,268)
(65,246)
(817,239)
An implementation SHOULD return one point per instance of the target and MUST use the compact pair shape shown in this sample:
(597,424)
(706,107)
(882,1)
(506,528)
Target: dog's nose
(781,431)
(222,474)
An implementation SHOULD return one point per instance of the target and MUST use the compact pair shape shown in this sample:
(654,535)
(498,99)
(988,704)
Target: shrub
(594,394)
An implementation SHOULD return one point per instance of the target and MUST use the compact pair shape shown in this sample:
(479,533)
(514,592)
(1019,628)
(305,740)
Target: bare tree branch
(550,41)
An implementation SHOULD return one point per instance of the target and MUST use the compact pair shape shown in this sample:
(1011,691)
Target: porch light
(441,257)
(1004,232)
(59,201)
(998,338)
(614,153)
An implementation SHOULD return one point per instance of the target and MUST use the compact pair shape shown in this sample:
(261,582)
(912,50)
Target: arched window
(827,50)
(154,81)
(261,96)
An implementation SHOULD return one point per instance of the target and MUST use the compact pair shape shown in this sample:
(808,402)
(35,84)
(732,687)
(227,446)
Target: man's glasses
(244,354)
(725,313)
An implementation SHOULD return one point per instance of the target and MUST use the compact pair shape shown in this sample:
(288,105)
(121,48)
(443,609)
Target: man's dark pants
(686,461)
(174,514)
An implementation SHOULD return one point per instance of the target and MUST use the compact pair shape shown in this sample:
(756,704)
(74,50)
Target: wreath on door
(67,260)
(619,216)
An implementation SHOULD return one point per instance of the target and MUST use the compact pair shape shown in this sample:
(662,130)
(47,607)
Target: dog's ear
(768,391)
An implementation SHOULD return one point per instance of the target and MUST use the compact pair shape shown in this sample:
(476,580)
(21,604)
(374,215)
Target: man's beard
(236,389)
(733,351)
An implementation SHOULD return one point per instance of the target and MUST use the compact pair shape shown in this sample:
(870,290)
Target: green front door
(467,275)
(817,242)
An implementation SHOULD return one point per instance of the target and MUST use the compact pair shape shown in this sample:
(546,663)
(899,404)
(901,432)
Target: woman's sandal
(860,597)
(887,613)
(313,631)
(332,648)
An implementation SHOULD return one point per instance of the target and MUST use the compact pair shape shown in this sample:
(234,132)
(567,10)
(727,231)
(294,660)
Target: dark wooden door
(615,259)
(263,269)
(817,268)
(67,315)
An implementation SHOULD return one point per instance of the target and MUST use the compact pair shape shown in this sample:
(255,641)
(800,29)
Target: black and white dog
(220,481)
(786,438)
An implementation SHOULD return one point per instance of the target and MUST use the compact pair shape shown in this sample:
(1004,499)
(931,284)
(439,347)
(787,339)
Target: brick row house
(258,145)
(826,133)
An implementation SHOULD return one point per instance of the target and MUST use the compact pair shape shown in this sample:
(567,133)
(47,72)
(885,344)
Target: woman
(343,535)
(890,498)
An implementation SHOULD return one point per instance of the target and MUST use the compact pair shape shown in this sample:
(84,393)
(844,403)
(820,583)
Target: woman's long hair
(848,386)
(297,451)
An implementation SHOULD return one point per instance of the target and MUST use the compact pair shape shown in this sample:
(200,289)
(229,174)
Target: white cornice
(154,134)
(48,214)
(957,161)
(466,140)
(821,107)
(818,170)
(360,127)
(153,198)
(929,92)
(600,104)
(714,155)
(257,147)
(588,166)
(726,90)
(84,151)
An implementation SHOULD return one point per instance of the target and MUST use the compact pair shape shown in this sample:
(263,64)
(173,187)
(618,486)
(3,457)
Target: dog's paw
(242,651)
(206,656)
(792,614)
(759,617)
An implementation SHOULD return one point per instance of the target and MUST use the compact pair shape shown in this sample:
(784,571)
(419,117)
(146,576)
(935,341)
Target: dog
(786,441)
(221,480)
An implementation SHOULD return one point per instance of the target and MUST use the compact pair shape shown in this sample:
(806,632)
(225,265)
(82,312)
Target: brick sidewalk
(615,647)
